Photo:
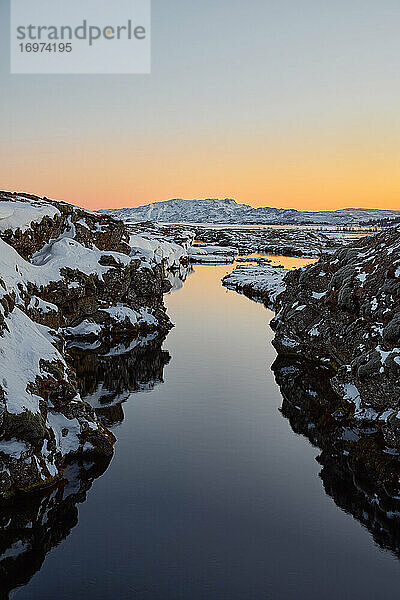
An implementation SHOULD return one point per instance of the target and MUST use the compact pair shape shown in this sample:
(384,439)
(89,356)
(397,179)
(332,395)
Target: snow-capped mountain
(228,211)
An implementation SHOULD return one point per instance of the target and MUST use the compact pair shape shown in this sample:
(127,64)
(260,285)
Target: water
(210,494)
(290,262)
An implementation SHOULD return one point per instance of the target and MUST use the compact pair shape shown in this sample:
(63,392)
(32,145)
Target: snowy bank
(67,274)
(260,282)
(344,313)
(212,254)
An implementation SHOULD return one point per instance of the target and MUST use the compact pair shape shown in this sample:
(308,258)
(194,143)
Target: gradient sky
(284,103)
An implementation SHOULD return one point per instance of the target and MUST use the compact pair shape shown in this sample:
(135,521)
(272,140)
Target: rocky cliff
(344,313)
(65,274)
(357,470)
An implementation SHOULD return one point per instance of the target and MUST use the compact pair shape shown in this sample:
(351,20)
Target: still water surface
(210,494)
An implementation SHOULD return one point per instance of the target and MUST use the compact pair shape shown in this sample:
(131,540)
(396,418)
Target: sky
(272,102)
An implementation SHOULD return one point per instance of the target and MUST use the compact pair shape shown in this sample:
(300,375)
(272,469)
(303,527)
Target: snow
(314,331)
(120,313)
(386,414)
(20,215)
(362,277)
(384,355)
(264,280)
(155,250)
(42,305)
(212,254)
(227,211)
(351,393)
(66,432)
(147,317)
(13,447)
(85,328)
(22,347)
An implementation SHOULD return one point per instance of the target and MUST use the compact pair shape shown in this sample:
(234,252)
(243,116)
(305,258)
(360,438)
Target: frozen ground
(261,282)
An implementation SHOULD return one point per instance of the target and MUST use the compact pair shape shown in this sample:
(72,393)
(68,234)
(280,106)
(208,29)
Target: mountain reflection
(32,524)
(358,472)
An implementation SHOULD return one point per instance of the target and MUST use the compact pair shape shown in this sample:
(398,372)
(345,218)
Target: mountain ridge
(228,211)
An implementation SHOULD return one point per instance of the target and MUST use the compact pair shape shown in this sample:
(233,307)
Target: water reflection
(107,377)
(32,524)
(210,494)
(287,262)
(357,471)
(177,276)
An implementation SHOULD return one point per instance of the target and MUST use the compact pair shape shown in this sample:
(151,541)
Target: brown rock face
(113,298)
(356,469)
(76,295)
(344,312)
(90,229)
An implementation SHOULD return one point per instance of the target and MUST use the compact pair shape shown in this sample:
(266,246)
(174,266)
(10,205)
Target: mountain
(228,211)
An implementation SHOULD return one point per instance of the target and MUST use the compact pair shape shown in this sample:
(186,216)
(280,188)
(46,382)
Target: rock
(212,254)
(65,274)
(32,524)
(285,242)
(344,312)
(262,282)
(357,470)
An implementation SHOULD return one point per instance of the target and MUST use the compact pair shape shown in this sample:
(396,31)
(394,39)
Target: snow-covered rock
(260,282)
(65,274)
(155,250)
(344,312)
(43,419)
(212,254)
(20,213)
(306,243)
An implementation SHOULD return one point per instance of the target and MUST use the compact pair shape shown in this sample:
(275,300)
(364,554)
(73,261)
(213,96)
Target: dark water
(210,494)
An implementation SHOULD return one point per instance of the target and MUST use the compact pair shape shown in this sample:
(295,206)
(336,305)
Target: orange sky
(283,104)
(289,174)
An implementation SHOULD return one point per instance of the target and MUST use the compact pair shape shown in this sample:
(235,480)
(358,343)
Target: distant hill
(228,211)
